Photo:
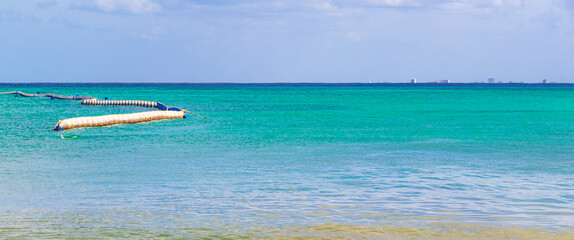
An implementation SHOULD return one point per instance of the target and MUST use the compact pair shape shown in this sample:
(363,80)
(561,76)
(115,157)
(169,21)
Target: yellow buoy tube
(106,120)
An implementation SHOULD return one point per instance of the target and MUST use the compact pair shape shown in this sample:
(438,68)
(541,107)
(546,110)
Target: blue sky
(286,40)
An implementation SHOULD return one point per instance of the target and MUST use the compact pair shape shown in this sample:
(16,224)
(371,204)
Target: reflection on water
(127,223)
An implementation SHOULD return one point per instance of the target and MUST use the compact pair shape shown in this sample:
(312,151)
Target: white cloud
(323,5)
(378,3)
(122,6)
(479,4)
(290,6)
(430,4)
(393,3)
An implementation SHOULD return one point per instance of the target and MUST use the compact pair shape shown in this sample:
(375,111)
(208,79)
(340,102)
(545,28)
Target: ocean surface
(292,161)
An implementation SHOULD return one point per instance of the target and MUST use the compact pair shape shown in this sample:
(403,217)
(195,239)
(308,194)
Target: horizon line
(287,83)
(350,84)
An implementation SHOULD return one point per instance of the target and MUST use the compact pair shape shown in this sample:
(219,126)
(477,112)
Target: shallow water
(292,161)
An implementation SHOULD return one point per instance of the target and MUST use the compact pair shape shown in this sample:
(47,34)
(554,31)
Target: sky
(256,41)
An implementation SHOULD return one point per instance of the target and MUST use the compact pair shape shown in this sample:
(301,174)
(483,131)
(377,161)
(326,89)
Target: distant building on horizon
(491,80)
(414,80)
(444,81)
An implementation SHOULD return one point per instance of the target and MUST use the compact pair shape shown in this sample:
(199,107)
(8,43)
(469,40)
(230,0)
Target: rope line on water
(51,95)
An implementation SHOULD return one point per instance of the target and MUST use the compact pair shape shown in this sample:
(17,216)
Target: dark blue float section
(161,106)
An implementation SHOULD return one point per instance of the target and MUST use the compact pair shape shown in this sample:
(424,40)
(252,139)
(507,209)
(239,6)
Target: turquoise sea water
(292,161)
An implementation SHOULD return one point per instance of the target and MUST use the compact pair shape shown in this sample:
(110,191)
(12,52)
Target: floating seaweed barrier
(165,112)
